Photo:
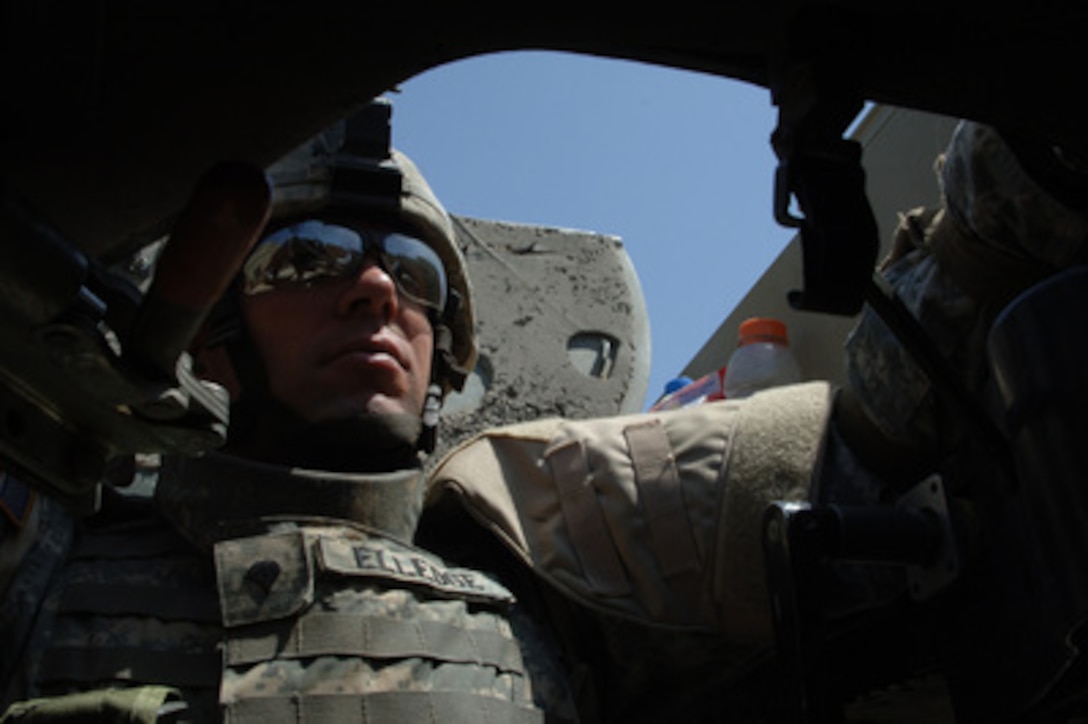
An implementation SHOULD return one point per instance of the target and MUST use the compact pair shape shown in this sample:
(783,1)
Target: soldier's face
(343,346)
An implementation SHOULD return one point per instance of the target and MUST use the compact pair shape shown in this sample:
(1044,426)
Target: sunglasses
(309,252)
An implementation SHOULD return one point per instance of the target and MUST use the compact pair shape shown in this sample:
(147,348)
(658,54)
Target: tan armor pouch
(655,517)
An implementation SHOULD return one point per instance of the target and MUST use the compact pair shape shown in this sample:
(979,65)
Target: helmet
(350,169)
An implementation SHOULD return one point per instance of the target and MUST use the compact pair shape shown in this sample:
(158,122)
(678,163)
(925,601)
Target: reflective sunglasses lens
(416,268)
(309,251)
(300,254)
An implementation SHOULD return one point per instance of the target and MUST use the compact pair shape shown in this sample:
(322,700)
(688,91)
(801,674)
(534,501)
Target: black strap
(77,664)
(155,539)
(171,604)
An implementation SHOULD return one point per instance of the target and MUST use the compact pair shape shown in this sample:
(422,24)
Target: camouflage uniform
(235,609)
(996,233)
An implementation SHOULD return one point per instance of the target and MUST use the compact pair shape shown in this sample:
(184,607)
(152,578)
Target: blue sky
(677,164)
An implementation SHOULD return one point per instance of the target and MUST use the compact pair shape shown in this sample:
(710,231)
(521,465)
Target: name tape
(383,560)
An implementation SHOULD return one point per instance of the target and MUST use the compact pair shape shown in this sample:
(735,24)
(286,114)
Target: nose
(371,291)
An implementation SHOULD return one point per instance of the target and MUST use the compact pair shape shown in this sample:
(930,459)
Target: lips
(371,349)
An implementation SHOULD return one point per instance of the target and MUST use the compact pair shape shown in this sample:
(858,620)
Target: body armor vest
(243,612)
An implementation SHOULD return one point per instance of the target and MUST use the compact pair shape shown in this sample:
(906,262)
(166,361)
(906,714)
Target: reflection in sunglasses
(310,251)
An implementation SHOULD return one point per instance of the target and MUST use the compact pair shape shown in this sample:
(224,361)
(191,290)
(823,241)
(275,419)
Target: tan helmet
(351,169)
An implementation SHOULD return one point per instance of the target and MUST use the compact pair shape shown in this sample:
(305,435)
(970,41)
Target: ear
(213,364)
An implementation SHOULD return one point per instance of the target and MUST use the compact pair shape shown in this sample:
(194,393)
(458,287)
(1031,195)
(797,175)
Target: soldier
(291,576)
(1011,216)
(278,580)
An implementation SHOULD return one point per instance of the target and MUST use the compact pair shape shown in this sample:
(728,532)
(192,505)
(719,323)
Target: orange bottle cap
(762,329)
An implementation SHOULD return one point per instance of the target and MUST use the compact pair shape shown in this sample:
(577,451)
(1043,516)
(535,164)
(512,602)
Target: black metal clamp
(800,541)
(822,172)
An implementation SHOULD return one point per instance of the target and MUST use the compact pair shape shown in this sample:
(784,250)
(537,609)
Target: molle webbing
(373,637)
(120,599)
(136,606)
(381,707)
(130,664)
(146,539)
(150,564)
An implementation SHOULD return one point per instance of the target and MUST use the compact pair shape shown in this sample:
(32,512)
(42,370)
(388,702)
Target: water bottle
(762,359)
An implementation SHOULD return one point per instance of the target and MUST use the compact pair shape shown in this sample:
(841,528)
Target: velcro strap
(386,706)
(263,578)
(659,490)
(376,637)
(585,521)
(69,663)
(169,604)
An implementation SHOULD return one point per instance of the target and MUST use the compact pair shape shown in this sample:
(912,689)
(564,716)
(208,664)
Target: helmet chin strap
(432,405)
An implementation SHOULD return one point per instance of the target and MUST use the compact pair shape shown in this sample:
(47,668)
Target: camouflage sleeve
(35,555)
(996,233)
(1003,209)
